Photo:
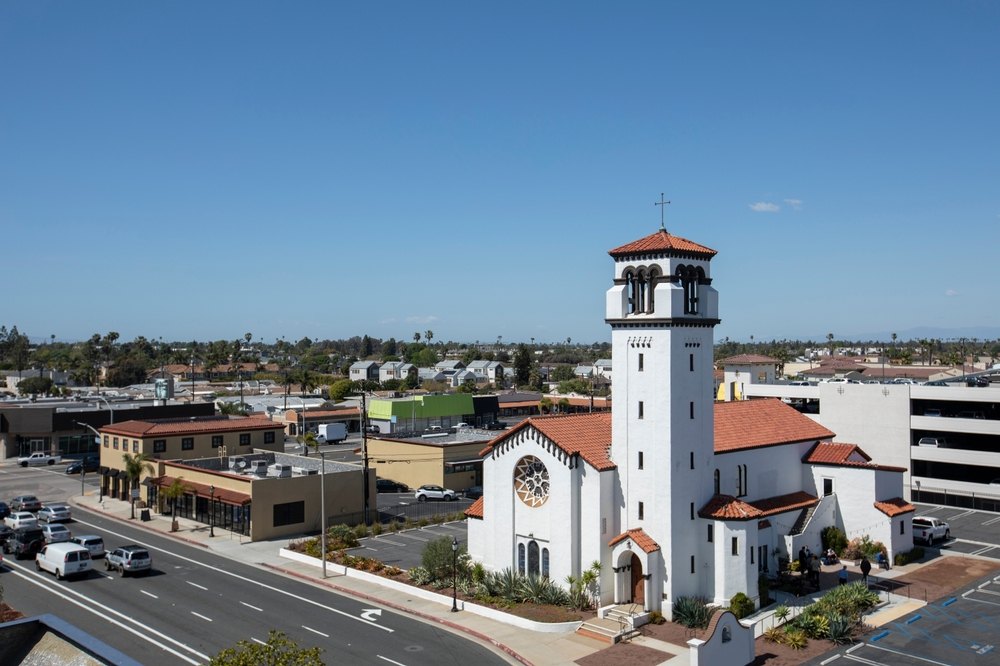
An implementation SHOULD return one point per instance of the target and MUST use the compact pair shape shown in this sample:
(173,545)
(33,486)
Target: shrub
(833,537)
(793,565)
(419,576)
(796,639)
(775,634)
(741,605)
(899,559)
(839,629)
(781,612)
(376,528)
(656,617)
(864,547)
(692,612)
(360,531)
(438,558)
(341,536)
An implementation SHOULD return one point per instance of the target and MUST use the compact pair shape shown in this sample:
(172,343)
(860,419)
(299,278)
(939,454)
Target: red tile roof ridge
(751,424)
(747,359)
(586,434)
(637,534)
(894,507)
(662,241)
(475,510)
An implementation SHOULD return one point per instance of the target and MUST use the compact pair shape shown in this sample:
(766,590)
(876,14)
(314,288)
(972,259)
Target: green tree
(278,650)
(340,389)
(135,465)
(562,373)
(522,365)
(176,490)
(574,386)
(34,385)
(129,370)
(307,440)
(545,405)
(425,358)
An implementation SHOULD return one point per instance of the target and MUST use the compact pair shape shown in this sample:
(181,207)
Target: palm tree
(135,465)
(307,440)
(176,490)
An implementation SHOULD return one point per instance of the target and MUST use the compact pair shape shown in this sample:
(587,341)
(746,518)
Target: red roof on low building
(476,509)
(894,507)
(844,455)
(192,426)
(751,424)
(727,507)
(748,359)
(587,435)
(642,540)
(661,241)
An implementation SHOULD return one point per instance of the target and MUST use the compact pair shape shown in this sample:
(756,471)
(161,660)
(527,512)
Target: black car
(474,492)
(4,510)
(5,533)
(389,486)
(88,464)
(495,425)
(24,542)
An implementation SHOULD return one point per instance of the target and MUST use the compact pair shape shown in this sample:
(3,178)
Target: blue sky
(199,170)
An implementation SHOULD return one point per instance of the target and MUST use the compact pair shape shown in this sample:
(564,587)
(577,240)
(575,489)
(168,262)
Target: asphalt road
(195,603)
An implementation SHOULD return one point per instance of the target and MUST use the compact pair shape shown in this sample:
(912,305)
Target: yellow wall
(416,464)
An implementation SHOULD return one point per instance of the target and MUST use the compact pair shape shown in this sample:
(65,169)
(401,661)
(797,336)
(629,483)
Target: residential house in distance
(364,371)
(492,372)
(462,377)
(396,370)
(449,366)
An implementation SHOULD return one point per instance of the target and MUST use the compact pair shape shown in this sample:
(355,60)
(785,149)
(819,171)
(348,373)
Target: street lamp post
(83,471)
(322,507)
(454,575)
(111,409)
(211,511)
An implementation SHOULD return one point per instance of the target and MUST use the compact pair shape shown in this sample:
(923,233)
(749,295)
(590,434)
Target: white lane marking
(315,631)
(991,521)
(961,515)
(394,543)
(369,612)
(235,575)
(391,661)
(207,619)
(91,607)
(257,640)
(415,538)
(905,654)
(253,607)
(149,594)
(200,587)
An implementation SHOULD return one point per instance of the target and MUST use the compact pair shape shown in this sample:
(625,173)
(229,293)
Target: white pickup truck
(38,458)
(930,530)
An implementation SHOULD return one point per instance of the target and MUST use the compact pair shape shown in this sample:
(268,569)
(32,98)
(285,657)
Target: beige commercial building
(449,460)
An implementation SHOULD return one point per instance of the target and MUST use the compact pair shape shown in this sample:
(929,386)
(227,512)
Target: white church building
(674,494)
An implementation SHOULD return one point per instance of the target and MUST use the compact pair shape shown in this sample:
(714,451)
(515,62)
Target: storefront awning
(471,461)
(203,490)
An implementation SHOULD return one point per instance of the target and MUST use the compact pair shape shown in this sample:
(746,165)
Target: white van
(63,559)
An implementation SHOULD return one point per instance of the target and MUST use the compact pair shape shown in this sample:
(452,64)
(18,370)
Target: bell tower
(662,310)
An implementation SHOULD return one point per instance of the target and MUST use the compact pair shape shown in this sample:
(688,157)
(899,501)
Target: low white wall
(444,600)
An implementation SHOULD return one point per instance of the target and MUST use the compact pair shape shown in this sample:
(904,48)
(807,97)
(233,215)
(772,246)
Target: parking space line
(991,521)
(905,654)
(415,538)
(961,515)
(392,543)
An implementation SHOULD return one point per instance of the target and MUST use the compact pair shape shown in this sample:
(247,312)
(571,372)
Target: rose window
(531,481)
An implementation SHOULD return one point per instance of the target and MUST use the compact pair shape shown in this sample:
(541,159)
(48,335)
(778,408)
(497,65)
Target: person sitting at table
(830,557)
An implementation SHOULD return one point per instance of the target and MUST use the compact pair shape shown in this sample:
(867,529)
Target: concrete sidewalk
(515,644)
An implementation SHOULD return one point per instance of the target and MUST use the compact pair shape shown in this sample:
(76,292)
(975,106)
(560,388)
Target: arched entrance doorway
(638,581)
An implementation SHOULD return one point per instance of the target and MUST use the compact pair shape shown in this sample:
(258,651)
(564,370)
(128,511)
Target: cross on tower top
(663,204)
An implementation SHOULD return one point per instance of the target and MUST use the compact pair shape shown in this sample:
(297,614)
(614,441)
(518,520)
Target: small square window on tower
(641,409)
(692,510)
(642,511)
(691,409)
(691,362)
(736,546)
(640,362)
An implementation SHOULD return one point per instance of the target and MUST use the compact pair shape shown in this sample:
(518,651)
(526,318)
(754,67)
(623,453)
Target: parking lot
(973,532)
(404,549)
(961,630)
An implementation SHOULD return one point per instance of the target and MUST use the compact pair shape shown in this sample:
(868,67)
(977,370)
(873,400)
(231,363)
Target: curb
(409,611)
(139,524)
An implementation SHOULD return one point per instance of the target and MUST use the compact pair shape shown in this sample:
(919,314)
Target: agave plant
(796,639)
(532,588)
(692,612)
(781,612)
(839,629)
(775,634)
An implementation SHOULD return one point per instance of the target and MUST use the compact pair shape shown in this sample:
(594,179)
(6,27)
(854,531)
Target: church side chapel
(674,494)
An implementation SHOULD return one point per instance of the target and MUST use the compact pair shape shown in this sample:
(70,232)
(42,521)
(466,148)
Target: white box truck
(332,432)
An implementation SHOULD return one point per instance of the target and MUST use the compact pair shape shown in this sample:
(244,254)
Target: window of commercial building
(114,443)
(106,441)
(135,446)
(159,445)
(711,533)
(269,437)
(187,443)
(216,441)
(289,513)
(640,362)
(244,439)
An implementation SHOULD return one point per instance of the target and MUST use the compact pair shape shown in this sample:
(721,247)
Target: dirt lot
(941,577)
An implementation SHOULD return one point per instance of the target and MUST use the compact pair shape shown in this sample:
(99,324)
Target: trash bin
(144,515)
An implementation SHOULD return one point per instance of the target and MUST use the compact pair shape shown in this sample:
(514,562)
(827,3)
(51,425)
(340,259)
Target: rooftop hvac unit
(237,464)
(258,467)
(279,471)
(303,471)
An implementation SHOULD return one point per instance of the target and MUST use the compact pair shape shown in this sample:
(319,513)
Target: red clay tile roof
(836,453)
(894,507)
(167,427)
(640,537)
(727,507)
(476,509)
(751,424)
(587,435)
(747,359)
(661,241)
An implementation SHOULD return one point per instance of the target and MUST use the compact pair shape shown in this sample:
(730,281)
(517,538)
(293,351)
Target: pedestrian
(814,569)
(866,567)
(883,562)
(803,562)
(842,575)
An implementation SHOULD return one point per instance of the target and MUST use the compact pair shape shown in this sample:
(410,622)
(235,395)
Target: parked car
(128,559)
(88,464)
(463,424)
(20,519)
(373,429)
(932,441)
(24,542)
(92,543)
(5,532)
(389,486)
(56,533)
(54,513)
(433,492)
(25,503)
(4,510)
(932,411)
(474,492)
(929,530)
(63,559)
(495,425)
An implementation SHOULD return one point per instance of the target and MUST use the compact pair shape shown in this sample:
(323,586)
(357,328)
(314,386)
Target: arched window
(690,276)
(533,558)
(545,562)
(641,288)
(716,482)
(520,558)
(653,273)
(741,480)
(727,634)
(630,291)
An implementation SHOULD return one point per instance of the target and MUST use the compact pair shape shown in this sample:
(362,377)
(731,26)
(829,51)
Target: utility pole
(322,507)
(364,456)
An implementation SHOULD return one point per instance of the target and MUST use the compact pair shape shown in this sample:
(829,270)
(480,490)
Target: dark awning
(203,490)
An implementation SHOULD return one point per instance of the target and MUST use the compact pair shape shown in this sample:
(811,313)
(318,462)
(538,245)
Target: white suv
(427,492)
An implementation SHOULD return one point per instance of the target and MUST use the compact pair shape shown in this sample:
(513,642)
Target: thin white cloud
(421,319)
(765,207)
(794,204)
(951,292)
